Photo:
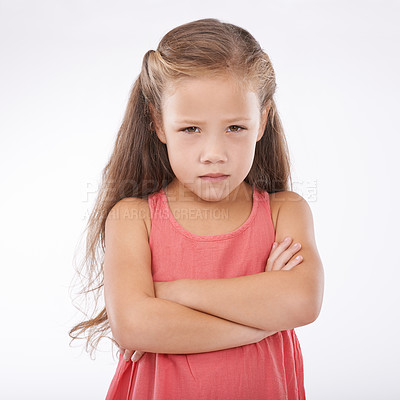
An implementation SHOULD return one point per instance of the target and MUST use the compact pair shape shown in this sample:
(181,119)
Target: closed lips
(214,175)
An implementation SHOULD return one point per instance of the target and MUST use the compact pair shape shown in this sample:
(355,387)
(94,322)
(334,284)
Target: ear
(159,132)
(263,121)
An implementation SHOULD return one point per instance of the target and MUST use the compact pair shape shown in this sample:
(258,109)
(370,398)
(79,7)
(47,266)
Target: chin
(213,193)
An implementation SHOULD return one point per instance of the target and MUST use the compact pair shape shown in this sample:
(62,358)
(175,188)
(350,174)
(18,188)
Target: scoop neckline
(221,236)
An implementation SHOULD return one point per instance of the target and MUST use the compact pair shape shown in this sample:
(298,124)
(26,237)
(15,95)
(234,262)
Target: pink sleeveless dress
(270,369)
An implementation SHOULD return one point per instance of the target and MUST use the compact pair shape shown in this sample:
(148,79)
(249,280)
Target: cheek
(181,152)
(245,153)
(244,146)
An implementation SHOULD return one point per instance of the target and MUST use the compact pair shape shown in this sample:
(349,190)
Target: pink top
(270,369)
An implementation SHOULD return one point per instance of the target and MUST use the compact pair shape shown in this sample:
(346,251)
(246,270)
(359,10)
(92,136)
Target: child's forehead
(182,83)
(209,96)
(199,105)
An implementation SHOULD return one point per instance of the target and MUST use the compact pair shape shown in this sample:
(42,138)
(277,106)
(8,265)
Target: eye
(238,128)
(185,129)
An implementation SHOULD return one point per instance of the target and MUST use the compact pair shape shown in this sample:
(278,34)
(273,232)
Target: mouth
(214,177)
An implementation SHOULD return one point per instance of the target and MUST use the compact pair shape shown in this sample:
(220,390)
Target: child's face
(212,109)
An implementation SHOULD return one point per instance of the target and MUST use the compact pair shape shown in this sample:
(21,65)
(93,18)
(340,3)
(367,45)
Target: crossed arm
(270,301)
(273,300)
(193,316)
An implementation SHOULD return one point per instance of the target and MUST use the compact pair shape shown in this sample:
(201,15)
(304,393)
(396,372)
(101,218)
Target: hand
(131,354)
(281,254)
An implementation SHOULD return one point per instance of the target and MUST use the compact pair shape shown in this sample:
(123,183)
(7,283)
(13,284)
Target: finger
(285,256)
(128,354)
(137,355)
(292,263)
(276,252)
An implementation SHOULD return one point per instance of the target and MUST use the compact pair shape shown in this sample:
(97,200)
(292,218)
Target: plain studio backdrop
(66,71)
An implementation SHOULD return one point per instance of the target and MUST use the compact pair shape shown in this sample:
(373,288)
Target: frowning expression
(211,126)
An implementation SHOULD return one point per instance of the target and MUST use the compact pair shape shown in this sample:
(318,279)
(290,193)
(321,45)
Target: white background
(66,71)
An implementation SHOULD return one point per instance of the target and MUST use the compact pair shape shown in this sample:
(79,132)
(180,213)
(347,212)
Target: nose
(214,150)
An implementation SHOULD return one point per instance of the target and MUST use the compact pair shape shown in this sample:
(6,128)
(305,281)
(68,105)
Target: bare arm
(258,300)
(138,319)
(272,300)
(168,327)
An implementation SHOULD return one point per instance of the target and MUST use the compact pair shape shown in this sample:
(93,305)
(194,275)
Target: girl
(192,215)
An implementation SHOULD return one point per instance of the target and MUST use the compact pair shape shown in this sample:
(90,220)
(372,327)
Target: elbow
(310,310)
(312,302)
(123,333)
(128,328)
(125,336)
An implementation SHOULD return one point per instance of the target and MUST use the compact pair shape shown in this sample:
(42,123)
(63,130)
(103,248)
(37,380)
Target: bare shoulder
(286,199)
(286,195)
(292,215)
(277,199)
(132,208)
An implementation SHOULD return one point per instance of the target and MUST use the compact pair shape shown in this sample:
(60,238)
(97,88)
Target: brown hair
(139,165)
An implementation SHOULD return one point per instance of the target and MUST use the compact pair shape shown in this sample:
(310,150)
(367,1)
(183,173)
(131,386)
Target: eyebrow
(189,121)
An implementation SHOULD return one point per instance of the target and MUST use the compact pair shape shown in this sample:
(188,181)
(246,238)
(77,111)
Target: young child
(192,214)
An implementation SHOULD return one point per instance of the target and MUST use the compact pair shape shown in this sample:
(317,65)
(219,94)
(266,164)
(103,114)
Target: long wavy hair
(139,165)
